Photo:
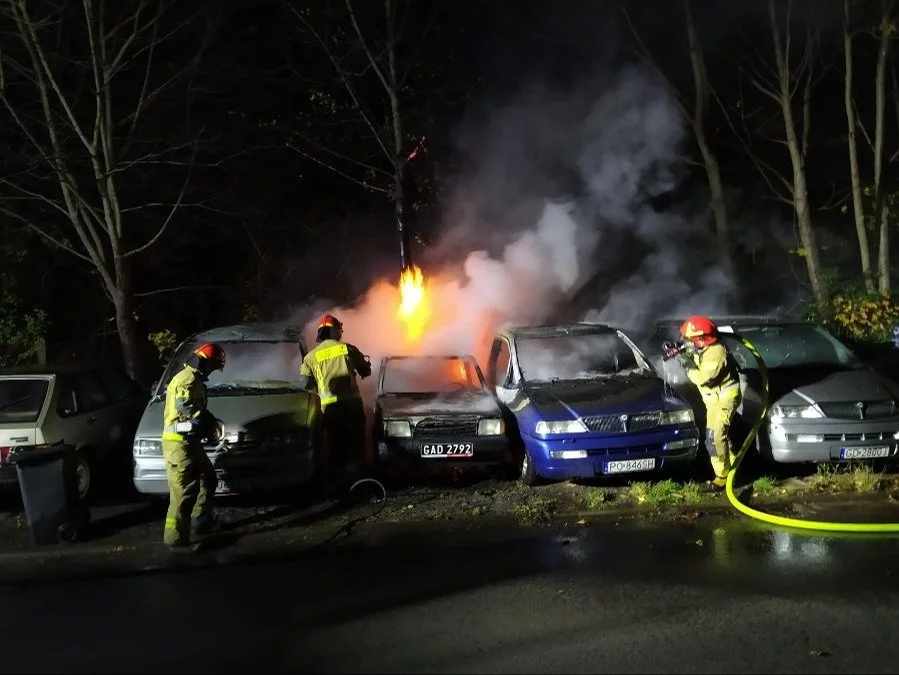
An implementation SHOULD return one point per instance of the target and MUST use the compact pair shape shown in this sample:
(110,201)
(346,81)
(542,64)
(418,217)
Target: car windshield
(21,400)
(575,357)
(250,367)
(792,346)
(431,375)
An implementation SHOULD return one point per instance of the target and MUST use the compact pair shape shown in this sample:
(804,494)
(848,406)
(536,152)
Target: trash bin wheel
(67,532)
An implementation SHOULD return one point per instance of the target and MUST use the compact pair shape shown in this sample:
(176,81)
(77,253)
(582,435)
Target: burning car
(437,412)
(587,402)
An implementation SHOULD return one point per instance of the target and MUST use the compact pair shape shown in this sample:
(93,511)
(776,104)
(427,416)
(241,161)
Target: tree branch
(333,168)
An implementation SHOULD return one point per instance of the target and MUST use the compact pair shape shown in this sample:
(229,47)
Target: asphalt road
(612,598)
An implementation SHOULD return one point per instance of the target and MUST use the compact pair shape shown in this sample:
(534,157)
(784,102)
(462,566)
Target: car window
(90,394)
(66,403)
(21,400)
(796,345)
(430,375)
(576,356)
(502,361)
(118,386)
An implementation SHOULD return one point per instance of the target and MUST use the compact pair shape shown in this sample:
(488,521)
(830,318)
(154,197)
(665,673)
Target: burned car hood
(577,398)
(240,412)
(799,386)
(437,404)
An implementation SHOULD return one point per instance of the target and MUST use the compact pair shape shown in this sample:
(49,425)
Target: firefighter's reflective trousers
(191,480)
(720,406)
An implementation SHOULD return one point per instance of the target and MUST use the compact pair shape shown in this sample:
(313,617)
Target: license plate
(865,453)
(628,465)
(447,450)
(222,488)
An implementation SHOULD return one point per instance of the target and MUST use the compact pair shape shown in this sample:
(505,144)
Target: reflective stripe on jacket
(333,365)
(185,400)
(716,373)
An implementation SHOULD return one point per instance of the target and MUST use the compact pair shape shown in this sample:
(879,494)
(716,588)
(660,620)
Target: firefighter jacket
(185,401)
(715,374)
(333,365)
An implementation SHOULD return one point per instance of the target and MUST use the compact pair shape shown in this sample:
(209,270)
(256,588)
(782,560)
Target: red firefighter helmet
(213,353)
(700,330)
(329,321)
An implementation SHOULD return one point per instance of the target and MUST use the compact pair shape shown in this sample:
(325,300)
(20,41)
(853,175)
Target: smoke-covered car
(436,412)
(273,429)
(825,404)
(587,402)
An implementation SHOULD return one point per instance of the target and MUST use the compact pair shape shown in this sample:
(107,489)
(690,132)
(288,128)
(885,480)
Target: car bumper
(827,440)
(407,452)
(672,448)
(237,473)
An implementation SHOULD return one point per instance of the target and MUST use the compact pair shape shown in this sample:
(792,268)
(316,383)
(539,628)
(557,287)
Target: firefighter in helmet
(713,370)
(331,367)
(187,423)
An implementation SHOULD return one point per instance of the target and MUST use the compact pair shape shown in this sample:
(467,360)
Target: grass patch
(763,485)
(864,478)
(692,493)
(477,511)
(598,498)
(537,511)
(847,478)
(663,493)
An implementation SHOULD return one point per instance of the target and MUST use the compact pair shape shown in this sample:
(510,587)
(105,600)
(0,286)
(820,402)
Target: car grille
(850,410)
(623,423)
(456,425)
(877,436)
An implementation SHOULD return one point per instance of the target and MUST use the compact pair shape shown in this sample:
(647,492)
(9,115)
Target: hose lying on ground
(784,521)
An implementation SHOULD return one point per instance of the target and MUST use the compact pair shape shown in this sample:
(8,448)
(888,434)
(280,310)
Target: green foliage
(22,329)
(165,342)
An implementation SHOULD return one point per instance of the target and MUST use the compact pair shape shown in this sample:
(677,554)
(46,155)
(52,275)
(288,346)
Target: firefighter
(713,370)
(332,367)
(187,422)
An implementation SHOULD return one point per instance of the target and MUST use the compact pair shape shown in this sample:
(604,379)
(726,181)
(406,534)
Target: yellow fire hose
(817,525)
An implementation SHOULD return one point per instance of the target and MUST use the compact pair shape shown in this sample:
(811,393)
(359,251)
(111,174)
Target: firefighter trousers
(719,413)
(191,480)
(344,423)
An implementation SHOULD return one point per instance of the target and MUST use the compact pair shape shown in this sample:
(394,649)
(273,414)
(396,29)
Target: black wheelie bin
(49,486)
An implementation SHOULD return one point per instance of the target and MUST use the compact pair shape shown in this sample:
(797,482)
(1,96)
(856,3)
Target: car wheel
(529,475)
(83,477)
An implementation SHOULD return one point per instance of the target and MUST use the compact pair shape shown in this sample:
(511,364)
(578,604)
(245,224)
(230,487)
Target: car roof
(251,332)
(553,330)
(739,320)
(448,357)
(56,368)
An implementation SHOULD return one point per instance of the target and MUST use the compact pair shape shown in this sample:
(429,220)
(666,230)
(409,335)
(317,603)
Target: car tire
(528,474)
(84,476)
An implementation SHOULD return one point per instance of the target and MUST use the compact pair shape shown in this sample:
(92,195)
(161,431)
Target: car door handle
(91,419)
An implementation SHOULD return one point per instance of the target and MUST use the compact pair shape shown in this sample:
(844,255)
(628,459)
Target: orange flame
(413,302)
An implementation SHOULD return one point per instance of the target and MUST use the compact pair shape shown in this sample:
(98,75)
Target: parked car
(94,408)
(826,405)
(587,402)
(272,424)
(437,412)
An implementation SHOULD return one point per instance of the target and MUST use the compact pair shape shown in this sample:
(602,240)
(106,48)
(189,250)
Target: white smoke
(601,246)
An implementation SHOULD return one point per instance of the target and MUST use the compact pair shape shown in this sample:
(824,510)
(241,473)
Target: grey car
(826,405)
(273,429)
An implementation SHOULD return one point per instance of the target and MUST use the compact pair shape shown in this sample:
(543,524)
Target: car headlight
(567,427)
(684,416)
(147,448)
(490,427)
(398,428)
(785,412)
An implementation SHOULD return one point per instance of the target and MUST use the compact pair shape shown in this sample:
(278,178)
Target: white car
(95,409)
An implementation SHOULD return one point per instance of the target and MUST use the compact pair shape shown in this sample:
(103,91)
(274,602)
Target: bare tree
(695,112)
(789,87)
(77,80)
(365,61)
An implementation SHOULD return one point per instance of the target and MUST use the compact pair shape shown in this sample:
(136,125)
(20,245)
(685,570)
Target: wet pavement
(720,595)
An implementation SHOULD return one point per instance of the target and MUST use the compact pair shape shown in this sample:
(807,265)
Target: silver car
(272,423)
(95,409)
(825,404)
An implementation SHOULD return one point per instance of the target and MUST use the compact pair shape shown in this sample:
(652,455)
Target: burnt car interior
(430,375)
(577,356)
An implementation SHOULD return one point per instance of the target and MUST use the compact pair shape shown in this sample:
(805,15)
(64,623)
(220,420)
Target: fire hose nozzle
(672,349)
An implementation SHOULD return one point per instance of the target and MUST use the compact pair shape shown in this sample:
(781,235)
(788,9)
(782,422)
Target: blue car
(586,402)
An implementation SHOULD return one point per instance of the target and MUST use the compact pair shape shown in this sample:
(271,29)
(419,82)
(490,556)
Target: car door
(499,371)
(82,415)
(126,402)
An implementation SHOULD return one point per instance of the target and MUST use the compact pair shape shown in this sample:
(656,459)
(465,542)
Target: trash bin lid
(39,455)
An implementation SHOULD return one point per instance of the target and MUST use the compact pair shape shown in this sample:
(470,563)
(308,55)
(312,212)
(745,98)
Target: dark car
(587,402)
(436,412)
(826,405)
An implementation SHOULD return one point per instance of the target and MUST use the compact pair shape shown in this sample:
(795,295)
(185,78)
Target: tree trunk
(124,319)
(719,207)
(881,211)
(858,210)
(883,258)
(399,162)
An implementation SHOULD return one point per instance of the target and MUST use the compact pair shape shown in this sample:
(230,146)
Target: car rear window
(21,400)
(430,375)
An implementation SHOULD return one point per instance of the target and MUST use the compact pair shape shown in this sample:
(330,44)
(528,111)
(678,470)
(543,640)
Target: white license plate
(628,465)
(447,450)
(865,453)
(222,488)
